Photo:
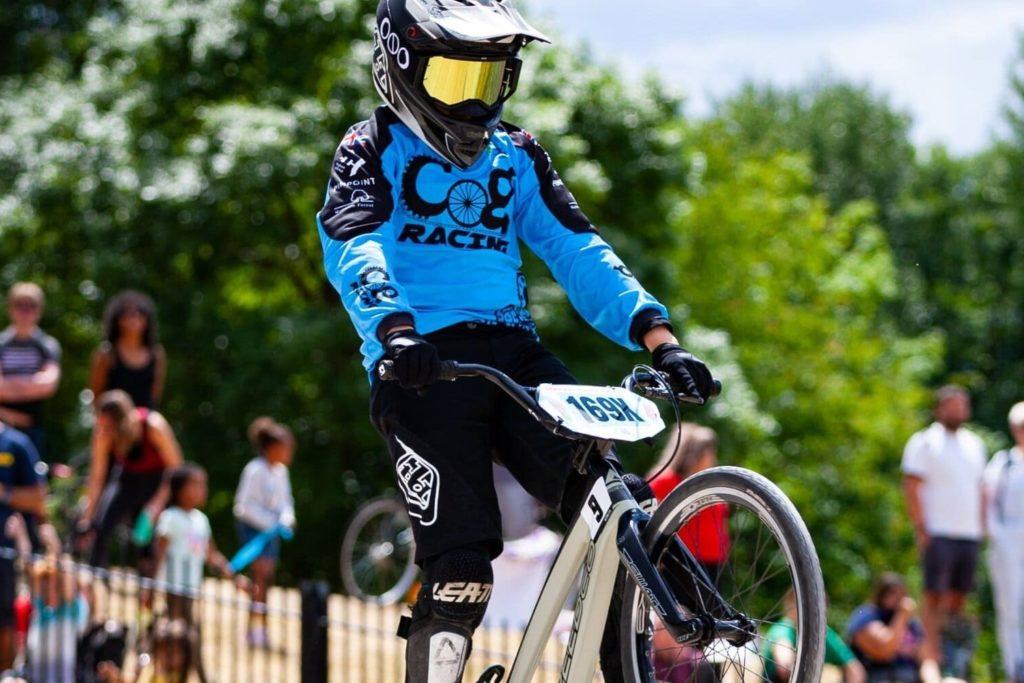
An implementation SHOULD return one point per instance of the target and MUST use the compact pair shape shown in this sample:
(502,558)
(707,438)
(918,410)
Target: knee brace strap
(458,586)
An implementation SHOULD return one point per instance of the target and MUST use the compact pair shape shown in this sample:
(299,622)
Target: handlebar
(642,383)
(449,372)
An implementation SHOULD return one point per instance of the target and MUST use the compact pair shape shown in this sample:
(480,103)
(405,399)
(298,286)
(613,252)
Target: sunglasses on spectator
(25,305)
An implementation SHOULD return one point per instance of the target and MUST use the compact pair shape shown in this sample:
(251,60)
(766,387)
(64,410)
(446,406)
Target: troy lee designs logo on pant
(420,484)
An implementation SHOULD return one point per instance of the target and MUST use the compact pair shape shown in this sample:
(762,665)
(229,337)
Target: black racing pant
(444,439)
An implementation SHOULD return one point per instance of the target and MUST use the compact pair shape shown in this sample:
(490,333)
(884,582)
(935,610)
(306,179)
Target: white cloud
(946,62)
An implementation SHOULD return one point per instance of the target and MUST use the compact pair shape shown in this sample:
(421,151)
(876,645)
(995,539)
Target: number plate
(601,412)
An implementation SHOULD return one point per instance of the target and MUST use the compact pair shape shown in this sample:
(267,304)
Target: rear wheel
(378,553)
(756,550)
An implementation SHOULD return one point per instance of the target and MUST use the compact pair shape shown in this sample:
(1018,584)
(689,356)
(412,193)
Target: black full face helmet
(446,68)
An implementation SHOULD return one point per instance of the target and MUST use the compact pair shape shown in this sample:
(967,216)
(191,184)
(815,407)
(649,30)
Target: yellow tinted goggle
(451,81)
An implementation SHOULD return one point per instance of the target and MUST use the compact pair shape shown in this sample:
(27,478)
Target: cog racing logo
(479,214)
(420,484)
(374,286)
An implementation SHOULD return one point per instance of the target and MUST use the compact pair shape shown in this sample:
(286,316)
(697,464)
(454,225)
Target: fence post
(314,631)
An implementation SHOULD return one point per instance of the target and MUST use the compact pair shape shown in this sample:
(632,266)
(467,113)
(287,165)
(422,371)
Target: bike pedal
(493,674)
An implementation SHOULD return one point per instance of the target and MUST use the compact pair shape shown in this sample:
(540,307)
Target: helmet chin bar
(463,154)
(406,36)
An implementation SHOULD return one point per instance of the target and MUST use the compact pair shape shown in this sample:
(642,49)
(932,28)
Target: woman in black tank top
(137,382)
(130,358)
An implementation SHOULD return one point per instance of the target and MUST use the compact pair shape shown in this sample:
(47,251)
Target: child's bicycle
(676,621)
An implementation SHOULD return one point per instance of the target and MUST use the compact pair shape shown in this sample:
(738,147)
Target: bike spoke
(752,578)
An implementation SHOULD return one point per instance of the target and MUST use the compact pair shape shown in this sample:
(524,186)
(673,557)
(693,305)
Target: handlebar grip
(449,371)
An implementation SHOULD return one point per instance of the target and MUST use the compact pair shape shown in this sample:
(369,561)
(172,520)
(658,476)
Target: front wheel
(756,550)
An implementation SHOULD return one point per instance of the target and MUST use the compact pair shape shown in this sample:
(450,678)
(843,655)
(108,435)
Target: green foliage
(802,293)
(857,143)
(185,157)
(828,274)
(961,240)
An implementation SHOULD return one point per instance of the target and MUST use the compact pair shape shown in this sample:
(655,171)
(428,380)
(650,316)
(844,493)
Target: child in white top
(264,501)
(184,542)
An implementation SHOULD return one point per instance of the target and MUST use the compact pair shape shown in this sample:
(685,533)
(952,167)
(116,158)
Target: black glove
(416,361)
(686,373)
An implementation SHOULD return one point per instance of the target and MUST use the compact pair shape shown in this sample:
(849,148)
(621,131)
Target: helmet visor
(452,81)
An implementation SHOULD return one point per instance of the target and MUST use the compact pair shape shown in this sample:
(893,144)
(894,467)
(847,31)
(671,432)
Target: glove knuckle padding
(416,360)
(684,369)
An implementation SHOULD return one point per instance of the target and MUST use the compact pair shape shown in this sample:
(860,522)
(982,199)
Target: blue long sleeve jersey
(408,237)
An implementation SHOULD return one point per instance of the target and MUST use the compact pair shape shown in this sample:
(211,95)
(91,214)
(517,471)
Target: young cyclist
(426,205)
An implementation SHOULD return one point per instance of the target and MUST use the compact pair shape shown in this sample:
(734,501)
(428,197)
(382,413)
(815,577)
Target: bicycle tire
(765,499)
(379,507)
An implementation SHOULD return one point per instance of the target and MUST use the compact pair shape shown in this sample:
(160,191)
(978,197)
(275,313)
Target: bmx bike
(676,619)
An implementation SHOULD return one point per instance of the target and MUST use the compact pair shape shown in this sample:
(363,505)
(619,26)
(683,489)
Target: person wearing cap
(29,364)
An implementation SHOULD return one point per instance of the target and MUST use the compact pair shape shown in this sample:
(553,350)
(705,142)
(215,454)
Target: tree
(858,144)
(802,293)
(183,147)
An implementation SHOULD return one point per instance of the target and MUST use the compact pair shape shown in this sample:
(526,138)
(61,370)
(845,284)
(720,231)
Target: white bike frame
(604,535)
(591,546)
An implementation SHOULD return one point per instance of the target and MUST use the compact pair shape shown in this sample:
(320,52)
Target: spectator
(184,542)
(22,489)
(886,637)
(29,364)
(130,358)
(780,656)
(60,615)
(942,468)
(263,501)
(706,535)
(136,446)
(101,652)
(528,552)
(173,658)
(1004,486)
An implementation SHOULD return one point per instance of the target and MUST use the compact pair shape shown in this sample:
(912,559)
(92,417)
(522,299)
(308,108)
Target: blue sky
(944,61)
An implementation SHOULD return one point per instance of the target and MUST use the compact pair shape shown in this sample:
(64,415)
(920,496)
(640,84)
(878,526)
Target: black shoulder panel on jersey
(359,193)
(553,191)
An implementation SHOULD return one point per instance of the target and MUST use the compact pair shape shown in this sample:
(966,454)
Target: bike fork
(713,616)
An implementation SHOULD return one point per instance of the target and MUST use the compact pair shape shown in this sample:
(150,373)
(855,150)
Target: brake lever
(647,386)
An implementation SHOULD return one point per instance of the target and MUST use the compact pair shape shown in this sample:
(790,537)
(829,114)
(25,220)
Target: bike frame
(595,551)
(605,534)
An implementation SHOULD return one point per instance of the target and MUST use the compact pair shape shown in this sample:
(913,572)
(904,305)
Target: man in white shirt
(942,482)
(1004,488)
